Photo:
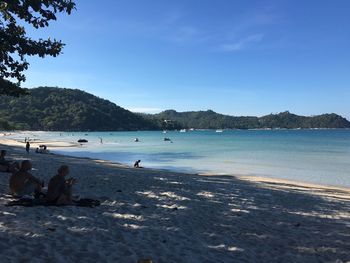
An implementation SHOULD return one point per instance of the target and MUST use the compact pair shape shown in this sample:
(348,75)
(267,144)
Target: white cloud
(145,110)
(242,43)
(184,34)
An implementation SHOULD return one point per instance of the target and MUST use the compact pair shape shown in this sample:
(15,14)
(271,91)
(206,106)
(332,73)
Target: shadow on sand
(191,218)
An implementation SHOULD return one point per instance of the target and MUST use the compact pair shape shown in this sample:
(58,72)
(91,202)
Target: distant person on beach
(60,190)
(42,149)
(23,183)
(137,164)
(27,147)
(5,165)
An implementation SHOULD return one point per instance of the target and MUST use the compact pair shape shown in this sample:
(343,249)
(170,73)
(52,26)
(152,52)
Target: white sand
(36,143)
(171,217)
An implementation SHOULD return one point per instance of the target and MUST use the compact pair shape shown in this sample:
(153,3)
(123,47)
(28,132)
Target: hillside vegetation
(50,109)
(212,120)
(66,109)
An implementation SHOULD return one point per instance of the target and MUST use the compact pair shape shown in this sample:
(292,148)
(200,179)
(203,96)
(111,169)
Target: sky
(237,57)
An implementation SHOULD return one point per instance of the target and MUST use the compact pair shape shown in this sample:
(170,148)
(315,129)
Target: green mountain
(203,120)
(50,109)
(289,121)
(59,109)
(212,120)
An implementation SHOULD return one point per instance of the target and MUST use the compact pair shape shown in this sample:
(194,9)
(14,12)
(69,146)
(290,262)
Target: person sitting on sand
(5,165)
(45,150)
(42,149)
(137,164)
(23,183)
(60,190)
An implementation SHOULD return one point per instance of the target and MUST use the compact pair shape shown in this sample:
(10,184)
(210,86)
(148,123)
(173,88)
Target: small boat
(167,139)
(136,140)
(164,131)
(183,130)
(219,130)
(82,140)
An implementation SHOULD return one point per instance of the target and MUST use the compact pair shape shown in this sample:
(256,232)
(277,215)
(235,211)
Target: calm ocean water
(318,156)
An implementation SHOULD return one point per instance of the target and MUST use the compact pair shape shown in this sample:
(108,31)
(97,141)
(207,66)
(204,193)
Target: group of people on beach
(40,149)
(23,183)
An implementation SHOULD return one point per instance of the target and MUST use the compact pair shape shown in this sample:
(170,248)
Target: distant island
(59,109)
(212,120)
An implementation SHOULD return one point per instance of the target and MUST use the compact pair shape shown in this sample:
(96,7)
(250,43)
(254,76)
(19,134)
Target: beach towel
(28,202)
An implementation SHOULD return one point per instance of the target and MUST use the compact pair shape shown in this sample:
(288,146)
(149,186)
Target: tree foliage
(55,109)
(212,120)
(15,45)
(11,89)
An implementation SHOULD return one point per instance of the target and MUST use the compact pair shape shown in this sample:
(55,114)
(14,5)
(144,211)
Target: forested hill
(212,120)
(59,109)
(48,108)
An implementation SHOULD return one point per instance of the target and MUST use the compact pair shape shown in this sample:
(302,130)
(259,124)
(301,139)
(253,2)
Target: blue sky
(234,57)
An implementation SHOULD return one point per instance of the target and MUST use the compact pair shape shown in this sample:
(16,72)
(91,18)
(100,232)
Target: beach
(166,216)
(309,156)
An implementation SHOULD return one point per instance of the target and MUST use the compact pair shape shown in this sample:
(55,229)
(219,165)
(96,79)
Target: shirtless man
(23,183)
(59,190)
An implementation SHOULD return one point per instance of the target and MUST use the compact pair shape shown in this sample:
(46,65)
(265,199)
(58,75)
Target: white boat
(219,130)
(164,131)
(183,130)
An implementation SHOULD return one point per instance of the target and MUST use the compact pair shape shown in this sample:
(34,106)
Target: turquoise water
(318,156)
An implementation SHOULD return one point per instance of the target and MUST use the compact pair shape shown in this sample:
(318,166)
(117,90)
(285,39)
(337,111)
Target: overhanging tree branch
(15,45)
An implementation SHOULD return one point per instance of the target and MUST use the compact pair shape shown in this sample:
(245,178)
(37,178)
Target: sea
(315,156)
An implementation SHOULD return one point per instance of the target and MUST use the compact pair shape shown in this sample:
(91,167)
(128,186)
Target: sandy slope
(37,143)
(172,217)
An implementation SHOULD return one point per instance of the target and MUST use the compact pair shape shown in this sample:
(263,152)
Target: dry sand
(172,217)
(37,143)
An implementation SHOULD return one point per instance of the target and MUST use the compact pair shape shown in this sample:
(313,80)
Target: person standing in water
(27,147)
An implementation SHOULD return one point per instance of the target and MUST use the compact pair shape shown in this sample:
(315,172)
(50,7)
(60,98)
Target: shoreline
(6,133)
(251,178)
(174,217)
